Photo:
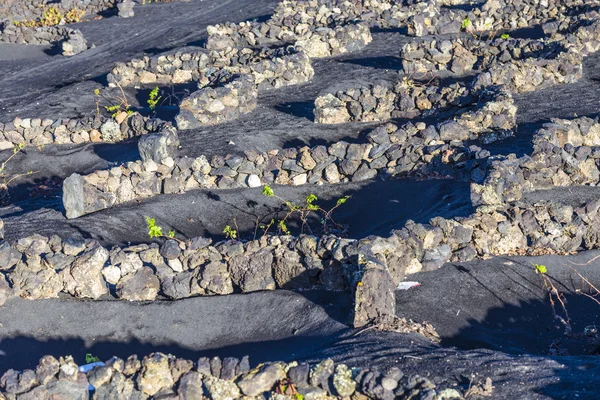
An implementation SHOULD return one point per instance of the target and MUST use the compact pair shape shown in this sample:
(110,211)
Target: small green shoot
(154,230)
(540,269)
(153,98)
(303,211)
(230,233)
(89,358)
(267,191)
(466,23)
(298,396)
(505,36)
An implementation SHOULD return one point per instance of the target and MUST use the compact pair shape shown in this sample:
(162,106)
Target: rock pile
(514,14)
(390,151)
(161,376)
(271,68)
(37,131)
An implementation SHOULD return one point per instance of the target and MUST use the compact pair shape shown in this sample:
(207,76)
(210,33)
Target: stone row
(37,131)
(71,40)
(496,15)
(390,151)
(466,53)
(318,43)
(38,267)
(230,97)
(407,99)
(162,376)
(502,15)
(271,68)
(297,19)
(565,153)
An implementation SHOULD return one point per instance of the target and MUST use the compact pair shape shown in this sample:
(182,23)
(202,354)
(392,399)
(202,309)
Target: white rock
(175,265)
(299,179)
(253,181)
(112,274)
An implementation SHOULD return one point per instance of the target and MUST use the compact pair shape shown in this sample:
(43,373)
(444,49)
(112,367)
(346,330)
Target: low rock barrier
(295,20)
(464,54)
(317,43)
(71,40)
(38,267)
(407,99)
(159,375)
(37,131)
(271,68)
(390,151)
(230,98)
(515,14)
(565,153)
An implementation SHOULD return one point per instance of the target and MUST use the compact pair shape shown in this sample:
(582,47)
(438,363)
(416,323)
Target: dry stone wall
(390,151)
(37,131)
(299,20)
(271,68)
(38,267)
(160,376)
(409,99)
(230,98)
(565,153)
(71,40)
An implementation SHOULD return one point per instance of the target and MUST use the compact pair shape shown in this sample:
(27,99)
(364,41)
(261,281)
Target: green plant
(51,16)
(304,211)
(89,358)
(156,231)
(555,297)
(5,180)
(540,269)
(113,104)
(505,36)
(466,24)
(153,98)
(230,233)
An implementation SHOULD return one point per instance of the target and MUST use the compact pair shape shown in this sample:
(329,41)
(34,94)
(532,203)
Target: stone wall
(227,100)
(465,53)
(71,40)
(38,267)
(407,99)
(565,153)
(161,376)
(390,151)
(317,43)
(37,131)
(295,20)
(520,65)
(514,14)
(271,68)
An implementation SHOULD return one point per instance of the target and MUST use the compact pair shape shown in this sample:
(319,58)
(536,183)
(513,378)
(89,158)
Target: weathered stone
(84,277)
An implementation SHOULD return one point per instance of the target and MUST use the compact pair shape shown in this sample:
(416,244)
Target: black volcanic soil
(493,316)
